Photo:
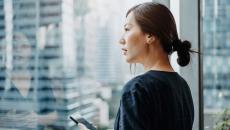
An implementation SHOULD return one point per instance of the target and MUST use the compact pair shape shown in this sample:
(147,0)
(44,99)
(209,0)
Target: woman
(159,99)
(22,104)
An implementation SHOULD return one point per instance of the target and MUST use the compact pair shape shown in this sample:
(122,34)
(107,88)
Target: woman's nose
(122,41)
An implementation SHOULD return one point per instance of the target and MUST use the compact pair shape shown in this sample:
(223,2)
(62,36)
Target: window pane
(59,58)
(216,60)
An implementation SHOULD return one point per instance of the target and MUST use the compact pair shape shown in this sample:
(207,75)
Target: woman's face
(133,40)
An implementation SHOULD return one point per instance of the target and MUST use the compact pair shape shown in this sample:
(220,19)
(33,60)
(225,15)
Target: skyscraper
(216,34)
(216,59)
(42,54)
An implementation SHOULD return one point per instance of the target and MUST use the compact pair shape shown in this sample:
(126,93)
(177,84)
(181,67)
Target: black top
(14,107)
(156,100)
(38,103)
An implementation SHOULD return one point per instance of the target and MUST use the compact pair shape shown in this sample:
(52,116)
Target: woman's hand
(82,126)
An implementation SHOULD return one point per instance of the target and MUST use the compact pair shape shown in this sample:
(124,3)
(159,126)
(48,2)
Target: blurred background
(61,57)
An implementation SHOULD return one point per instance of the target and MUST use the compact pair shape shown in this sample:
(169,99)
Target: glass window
(216,62)
(60,58)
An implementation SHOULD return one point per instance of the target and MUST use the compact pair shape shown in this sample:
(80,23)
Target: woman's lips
(124,51)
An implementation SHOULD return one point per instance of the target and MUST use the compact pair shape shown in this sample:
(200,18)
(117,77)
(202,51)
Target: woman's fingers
(82,126)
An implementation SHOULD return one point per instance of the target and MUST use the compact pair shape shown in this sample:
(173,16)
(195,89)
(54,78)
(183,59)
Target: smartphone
(83,121)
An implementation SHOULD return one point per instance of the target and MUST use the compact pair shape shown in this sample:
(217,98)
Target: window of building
(61,62)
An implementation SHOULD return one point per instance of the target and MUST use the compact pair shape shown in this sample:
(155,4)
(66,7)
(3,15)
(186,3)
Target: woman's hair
(156,19)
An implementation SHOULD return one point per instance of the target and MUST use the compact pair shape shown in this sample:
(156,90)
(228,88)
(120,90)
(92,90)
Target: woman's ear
(150,38)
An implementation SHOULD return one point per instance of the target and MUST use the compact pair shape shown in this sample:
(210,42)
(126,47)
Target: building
(216,59)
(41,43)
(216,46)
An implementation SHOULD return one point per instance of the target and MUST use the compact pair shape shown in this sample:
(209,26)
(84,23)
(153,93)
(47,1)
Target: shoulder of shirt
(141,82)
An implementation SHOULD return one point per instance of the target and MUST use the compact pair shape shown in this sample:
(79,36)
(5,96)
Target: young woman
(159,99)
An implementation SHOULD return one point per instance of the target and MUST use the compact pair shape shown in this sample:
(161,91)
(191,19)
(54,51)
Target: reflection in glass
(216,64)
(17,101)
(60,58)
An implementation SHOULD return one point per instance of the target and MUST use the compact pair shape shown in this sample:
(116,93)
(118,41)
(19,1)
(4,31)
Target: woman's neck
(161,66)
(157,62)
(22,83)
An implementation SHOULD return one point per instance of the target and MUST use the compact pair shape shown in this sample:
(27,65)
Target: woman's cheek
(133,54)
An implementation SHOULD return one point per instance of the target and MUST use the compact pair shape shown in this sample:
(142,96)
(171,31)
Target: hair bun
(178,45)
(183,49)
(186,45)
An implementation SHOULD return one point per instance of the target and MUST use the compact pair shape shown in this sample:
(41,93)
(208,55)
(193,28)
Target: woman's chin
(129,60)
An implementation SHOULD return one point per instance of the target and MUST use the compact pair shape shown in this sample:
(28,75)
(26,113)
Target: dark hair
(156,19)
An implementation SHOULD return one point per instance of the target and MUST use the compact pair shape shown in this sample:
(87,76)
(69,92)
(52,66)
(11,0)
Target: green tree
(223,121)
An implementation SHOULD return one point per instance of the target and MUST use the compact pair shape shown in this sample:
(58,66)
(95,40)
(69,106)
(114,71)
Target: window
(216,60)
(60,63)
